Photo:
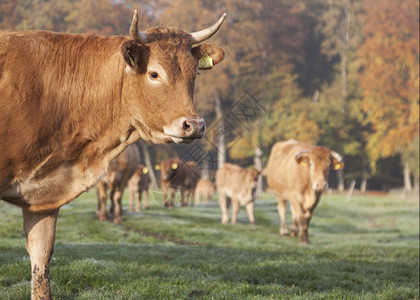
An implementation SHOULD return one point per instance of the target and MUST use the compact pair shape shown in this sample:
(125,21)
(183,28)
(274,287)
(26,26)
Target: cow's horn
(200,36)
(336,156)
(301,152)
(135,33)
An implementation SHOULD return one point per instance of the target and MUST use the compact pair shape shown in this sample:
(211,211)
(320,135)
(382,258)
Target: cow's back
(283,173)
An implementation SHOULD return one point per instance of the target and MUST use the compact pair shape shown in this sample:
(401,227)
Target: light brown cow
(120,171)
(137,186)
(71,103)
(298,172)
(175,174)
(239,185)
(205,188)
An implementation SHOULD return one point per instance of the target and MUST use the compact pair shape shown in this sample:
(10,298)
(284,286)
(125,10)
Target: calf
(298,172)
(204,188)
(239,185)
(138,185)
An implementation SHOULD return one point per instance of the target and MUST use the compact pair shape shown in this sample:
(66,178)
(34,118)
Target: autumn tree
(389,76)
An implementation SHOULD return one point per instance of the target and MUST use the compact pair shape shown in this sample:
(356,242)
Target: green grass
(365,249)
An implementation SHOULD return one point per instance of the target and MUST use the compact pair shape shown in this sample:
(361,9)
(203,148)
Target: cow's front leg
(281,208)
(165,194)
(138,200)
(250,211)
(301,217)
(235,210)
(173,191)
(40,234)
(295,223)
(223,208)
(131,199)
(101,194)
(146,199)
(117,198)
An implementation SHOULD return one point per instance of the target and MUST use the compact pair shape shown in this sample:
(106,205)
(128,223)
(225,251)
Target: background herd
(296,172)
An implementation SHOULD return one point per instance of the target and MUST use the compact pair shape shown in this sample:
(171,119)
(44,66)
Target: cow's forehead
(321,154)
(171,47)
(169,35)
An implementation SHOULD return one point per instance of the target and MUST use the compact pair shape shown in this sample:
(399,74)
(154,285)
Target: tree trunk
(340,179)
(363,185)
(205,171)
(147,161)
(343,54)
(220,138)
(407,179)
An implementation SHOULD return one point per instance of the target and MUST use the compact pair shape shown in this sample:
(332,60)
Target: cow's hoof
(284,234)
(293,234)
(304,242)
(147,207)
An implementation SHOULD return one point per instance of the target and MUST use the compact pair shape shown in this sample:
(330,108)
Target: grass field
(365,249)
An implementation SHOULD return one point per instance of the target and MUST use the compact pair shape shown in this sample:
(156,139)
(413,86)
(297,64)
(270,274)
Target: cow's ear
(135,55)
(208,55)
(337,164)
(336,161)
(302,159)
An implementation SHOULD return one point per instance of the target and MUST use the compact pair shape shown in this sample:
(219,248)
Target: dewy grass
(365,249)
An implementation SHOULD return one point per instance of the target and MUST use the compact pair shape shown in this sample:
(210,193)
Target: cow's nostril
(186,126)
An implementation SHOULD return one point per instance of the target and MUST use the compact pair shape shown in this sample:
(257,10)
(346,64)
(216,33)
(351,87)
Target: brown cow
(137,186)
(120,171)
(239,185)
(204,188)
(298,172)
(71,103)
(175,174)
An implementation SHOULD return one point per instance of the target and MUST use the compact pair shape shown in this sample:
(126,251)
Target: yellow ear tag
(145,170)
(303,163)
(337,166)
(157,167)
(174,166)
(206,62)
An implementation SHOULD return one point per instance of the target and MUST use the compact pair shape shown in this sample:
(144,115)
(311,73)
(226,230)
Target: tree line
(343,74)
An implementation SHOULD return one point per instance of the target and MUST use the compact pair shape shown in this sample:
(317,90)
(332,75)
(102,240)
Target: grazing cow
(137,186)
(239,185)
(71,103)
(120,171)
(204,188)
(298,173)
(175,174)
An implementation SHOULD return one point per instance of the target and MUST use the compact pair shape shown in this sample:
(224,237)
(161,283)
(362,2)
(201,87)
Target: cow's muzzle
(319,186)
(185,130)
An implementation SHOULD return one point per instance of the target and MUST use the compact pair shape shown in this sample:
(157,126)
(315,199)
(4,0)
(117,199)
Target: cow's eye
(153,75)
